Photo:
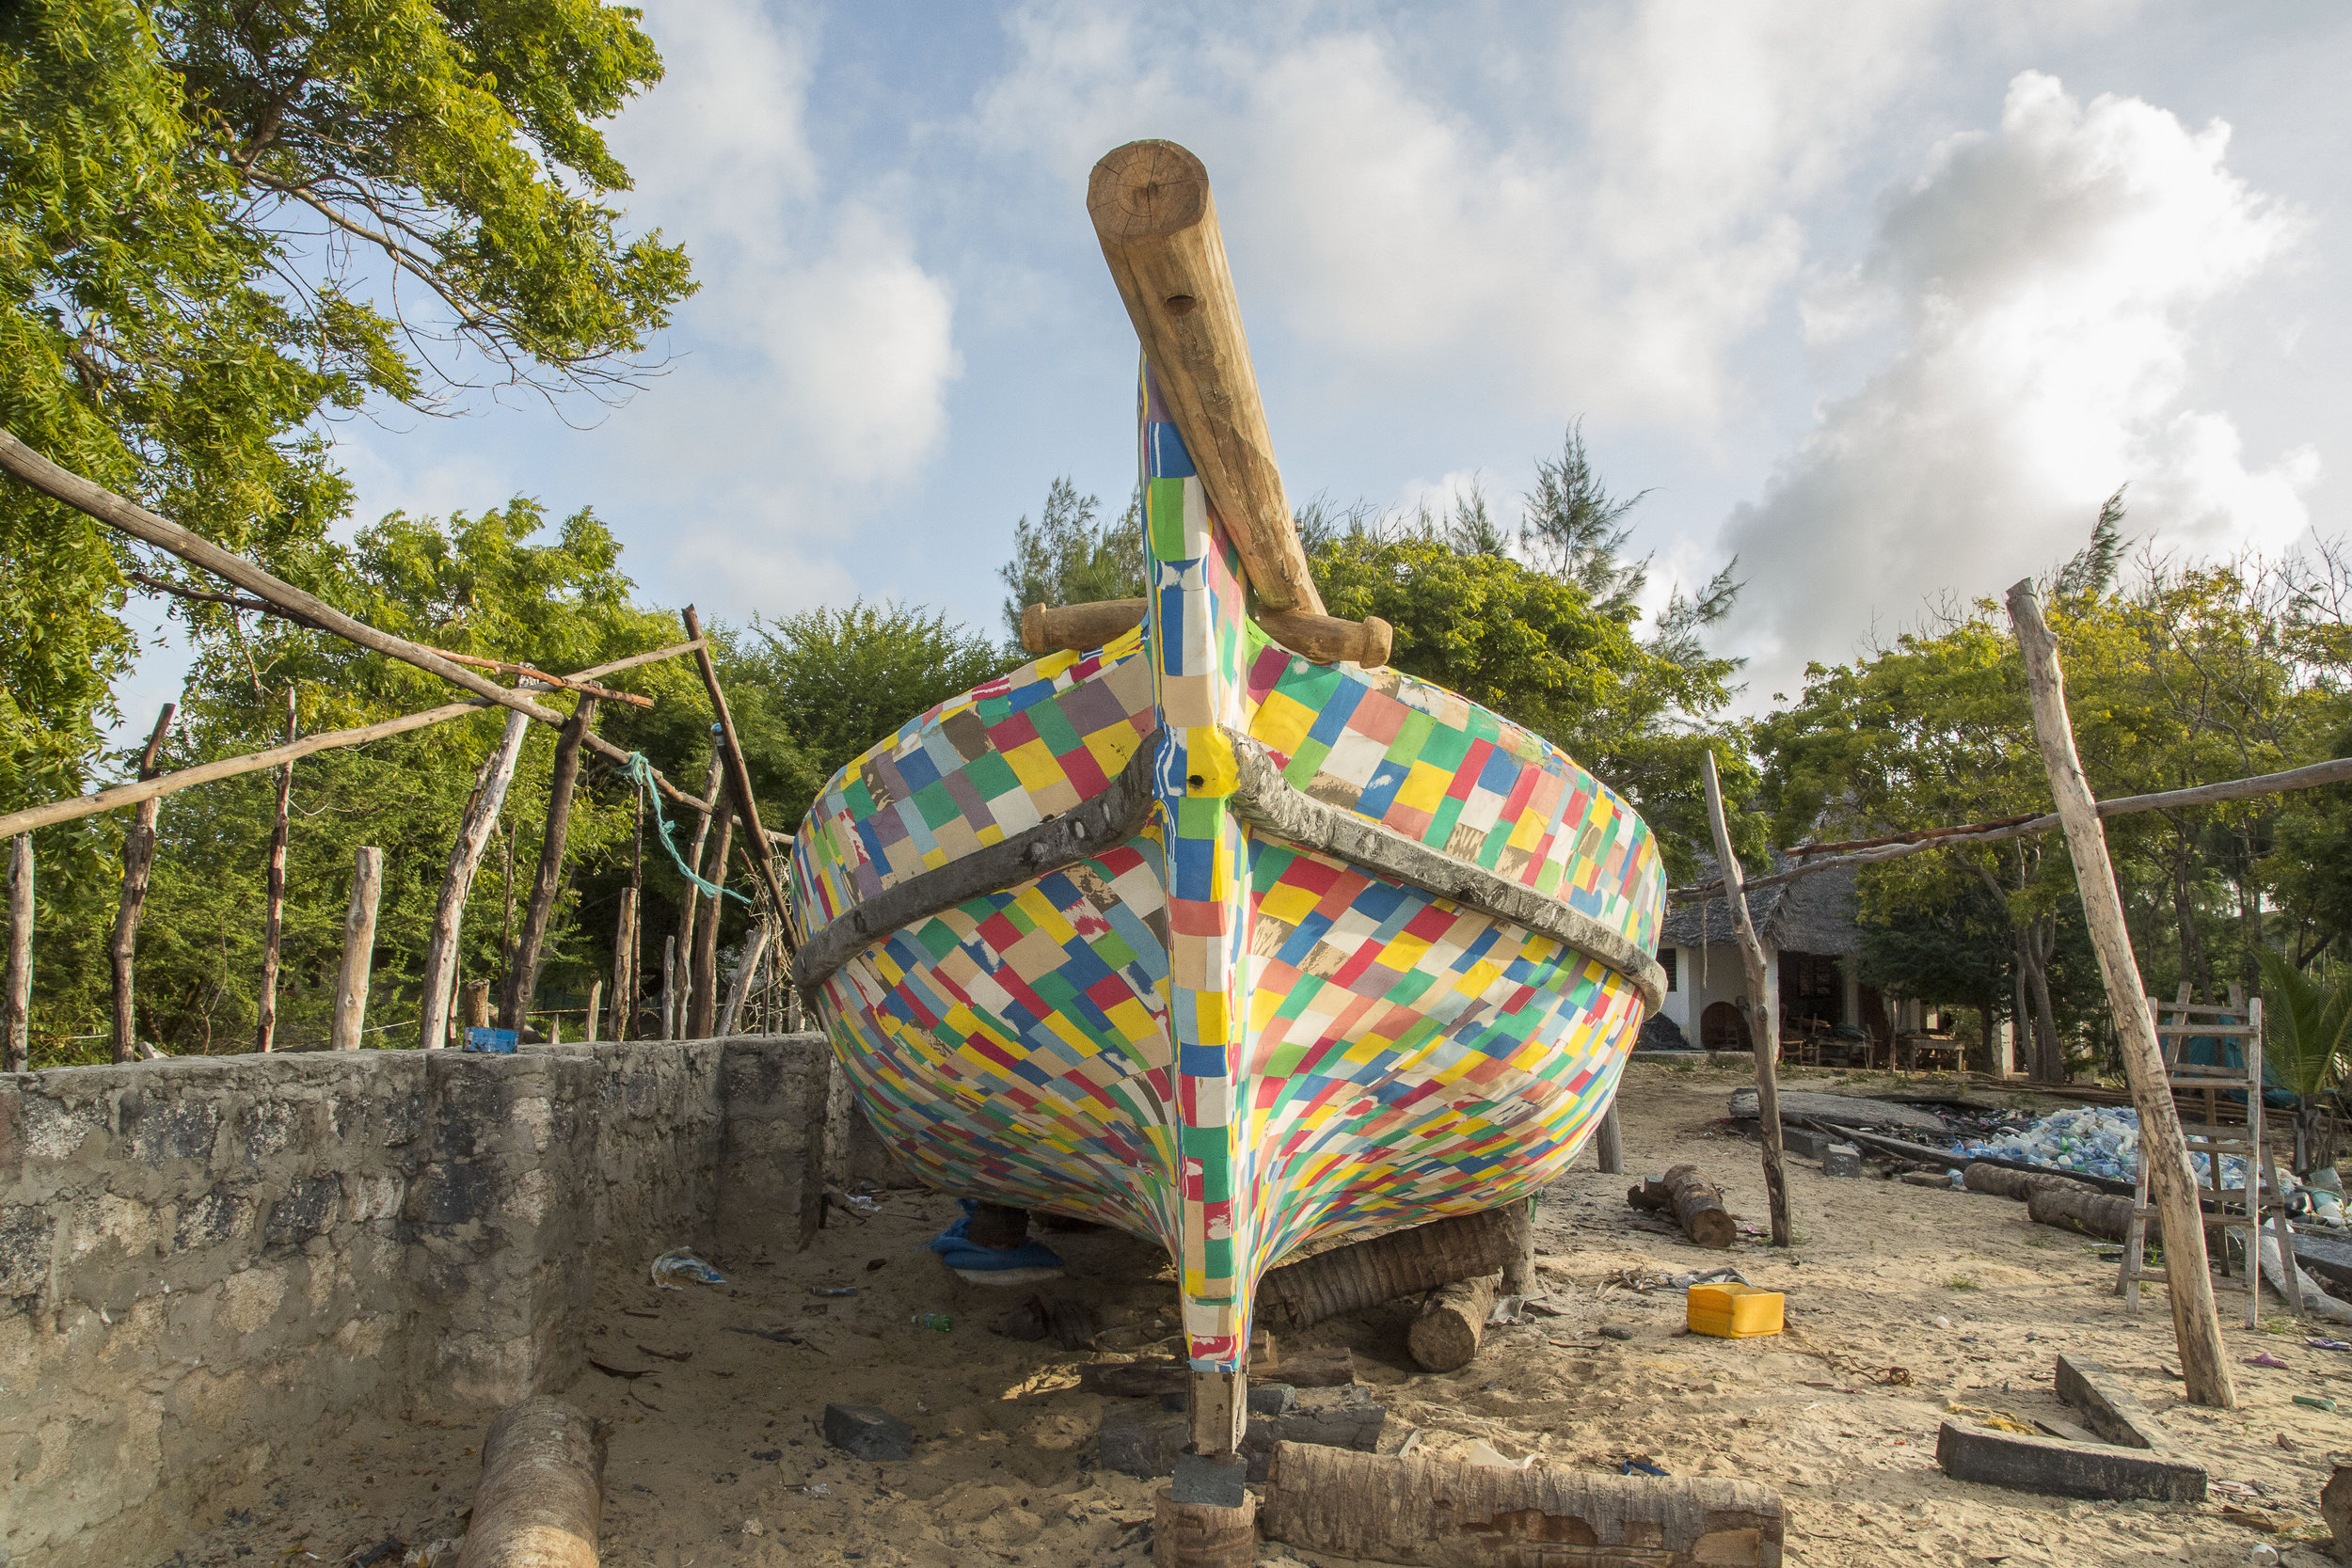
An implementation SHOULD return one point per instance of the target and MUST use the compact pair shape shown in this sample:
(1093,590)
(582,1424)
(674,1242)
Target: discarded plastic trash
(2312,1402)
(2330,1344)
(1725,1275)
(1480,1451)
(674,1271)
(2264,1359)
(1641,1467)
(939,1321)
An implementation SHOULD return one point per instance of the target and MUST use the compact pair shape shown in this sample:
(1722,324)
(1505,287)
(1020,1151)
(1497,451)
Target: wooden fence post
(523,978)
(713,805)
(16,997)
(1609,1143)
(1764,1021)
(669,987)
(703,962)
(595,1016)
(755,953)
(2189,1282)
(274,922)
(465,856)
(139,863)
(625,967)
(351,984)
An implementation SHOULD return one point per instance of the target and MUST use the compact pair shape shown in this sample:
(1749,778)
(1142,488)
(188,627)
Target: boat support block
(1268,802)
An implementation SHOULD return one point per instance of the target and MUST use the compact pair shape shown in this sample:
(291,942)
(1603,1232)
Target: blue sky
(1884,296)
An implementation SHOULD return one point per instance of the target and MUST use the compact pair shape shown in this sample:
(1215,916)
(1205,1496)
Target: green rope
(640,772)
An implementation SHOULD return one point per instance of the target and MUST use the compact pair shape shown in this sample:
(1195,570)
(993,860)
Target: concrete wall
(205,1263)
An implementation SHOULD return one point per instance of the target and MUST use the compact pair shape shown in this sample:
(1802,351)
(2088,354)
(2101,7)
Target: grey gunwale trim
(1268,802)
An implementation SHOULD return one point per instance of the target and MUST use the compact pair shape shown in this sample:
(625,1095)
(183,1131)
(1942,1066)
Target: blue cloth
(961,1252)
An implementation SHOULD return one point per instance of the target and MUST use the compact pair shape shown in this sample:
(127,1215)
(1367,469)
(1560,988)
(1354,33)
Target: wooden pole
(624,966)
(1764,1021)
(16,996)
(1609,1143)
(139,863)
(465,857)
(669,987)
(753,952)
(739,773)
(1157,224)
(542,1491)
(351,984)
(596,1014)
(522,977)
(703,984)
(2188,1283)
(274,920)
(693,919)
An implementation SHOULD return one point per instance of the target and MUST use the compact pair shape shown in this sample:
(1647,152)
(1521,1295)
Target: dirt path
(718,1460)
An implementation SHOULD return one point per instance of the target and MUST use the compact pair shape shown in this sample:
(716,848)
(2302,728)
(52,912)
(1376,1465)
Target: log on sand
(1401,1263)
(542,1492)
(1442,1513)
(1446,1335)
(1693,1201)
(2001,1181)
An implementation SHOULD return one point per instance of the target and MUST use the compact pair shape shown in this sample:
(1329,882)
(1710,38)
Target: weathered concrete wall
(206,1262)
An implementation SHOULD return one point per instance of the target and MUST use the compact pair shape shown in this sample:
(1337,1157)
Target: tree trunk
(702,985)
(2001,1182)
(274,920)
(2195,964)
(542,1492)
(625,967)
(1446,1514)
(1203,1535)
(2049,1058)
(755,954)
(139,863)
(1764,1007)
(669,987)
(465,857)
(522,977)
(2196,1324)
(1696,1204)
(16,994)
(1445,1338)
(351,984)
(1402,1264)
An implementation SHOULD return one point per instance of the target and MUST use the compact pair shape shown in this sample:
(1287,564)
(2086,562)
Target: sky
(1881,298)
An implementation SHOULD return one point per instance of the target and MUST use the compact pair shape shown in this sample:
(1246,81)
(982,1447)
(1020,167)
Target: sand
(718,1459)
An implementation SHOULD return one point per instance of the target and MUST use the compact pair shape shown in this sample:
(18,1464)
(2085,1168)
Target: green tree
(2307,1042)
(1068,557)
(215,221)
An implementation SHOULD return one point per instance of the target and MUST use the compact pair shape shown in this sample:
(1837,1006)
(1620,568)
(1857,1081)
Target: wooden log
(1401,1263)
(1203,1535)
(1518,1275)
(139,864)
(704,986)
(739,772)
(2196,1321)
(547,883)
(596,1003)
(1609,1143)
(1453,1321)
(1078,626)
(465,857)
(1153,211)
(691,924)
(351,981)
(1325,639)
(625,967)
(755,953)
(1443,1514)
(16,989)
(474,1007)
(541,1495)
(1219,1412)
(274,895)
(2001,1181)
(1763,1011)
(1695,1203)
(2335,1507)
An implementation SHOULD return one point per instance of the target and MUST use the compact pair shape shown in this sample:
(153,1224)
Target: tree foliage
(1068,556)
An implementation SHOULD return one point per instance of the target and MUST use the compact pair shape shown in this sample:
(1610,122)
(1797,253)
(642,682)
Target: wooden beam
(1764,1020)
(739,772)
(273,897)
(16,994)
(2195,1323)
(139,863)
(1157,224)
(351,982)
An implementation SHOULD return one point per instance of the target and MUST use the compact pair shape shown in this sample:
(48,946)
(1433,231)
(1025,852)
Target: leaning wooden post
(351,985)
(755,952)
(139,863)
(16,996)
(739,772)
(624,966)
(2188,1283)
(523,978)
(1761,1024)
(273,921)
(703,965)
(1609,1143)
(474,836)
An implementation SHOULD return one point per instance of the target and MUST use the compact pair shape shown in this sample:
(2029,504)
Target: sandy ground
(717,1458)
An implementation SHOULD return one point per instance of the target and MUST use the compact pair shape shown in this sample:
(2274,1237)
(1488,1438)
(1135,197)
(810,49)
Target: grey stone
(1218,1482)
(2060,1469)
(1272,1399)
(1841,1160)
(1803,1142)
(867,1432)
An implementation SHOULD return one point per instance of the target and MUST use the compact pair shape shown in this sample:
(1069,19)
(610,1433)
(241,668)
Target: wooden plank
(2196,1324)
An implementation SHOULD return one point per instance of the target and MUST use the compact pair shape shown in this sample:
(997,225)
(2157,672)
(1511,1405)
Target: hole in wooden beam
(1180,305)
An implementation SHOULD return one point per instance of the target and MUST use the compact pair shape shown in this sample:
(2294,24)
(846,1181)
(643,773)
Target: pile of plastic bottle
(2105,1141)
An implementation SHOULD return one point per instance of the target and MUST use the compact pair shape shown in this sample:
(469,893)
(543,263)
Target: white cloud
(2047,278)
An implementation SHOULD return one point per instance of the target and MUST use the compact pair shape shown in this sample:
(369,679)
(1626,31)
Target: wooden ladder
(2201,1088)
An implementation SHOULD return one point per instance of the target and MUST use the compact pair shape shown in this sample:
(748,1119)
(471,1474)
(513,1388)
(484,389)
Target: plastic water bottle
(939,1321)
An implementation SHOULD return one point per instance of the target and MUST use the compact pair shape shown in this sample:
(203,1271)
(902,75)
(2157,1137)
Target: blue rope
(640,772)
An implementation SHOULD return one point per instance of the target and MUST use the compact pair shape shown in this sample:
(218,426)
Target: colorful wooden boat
(1196,936)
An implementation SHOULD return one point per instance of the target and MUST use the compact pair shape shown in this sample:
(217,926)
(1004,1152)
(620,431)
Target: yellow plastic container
(1734,1311)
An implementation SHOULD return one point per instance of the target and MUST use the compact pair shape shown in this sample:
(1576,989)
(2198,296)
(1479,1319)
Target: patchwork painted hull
(1197,938)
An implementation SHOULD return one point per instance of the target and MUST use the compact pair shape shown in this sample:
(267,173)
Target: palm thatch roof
(1812,915)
